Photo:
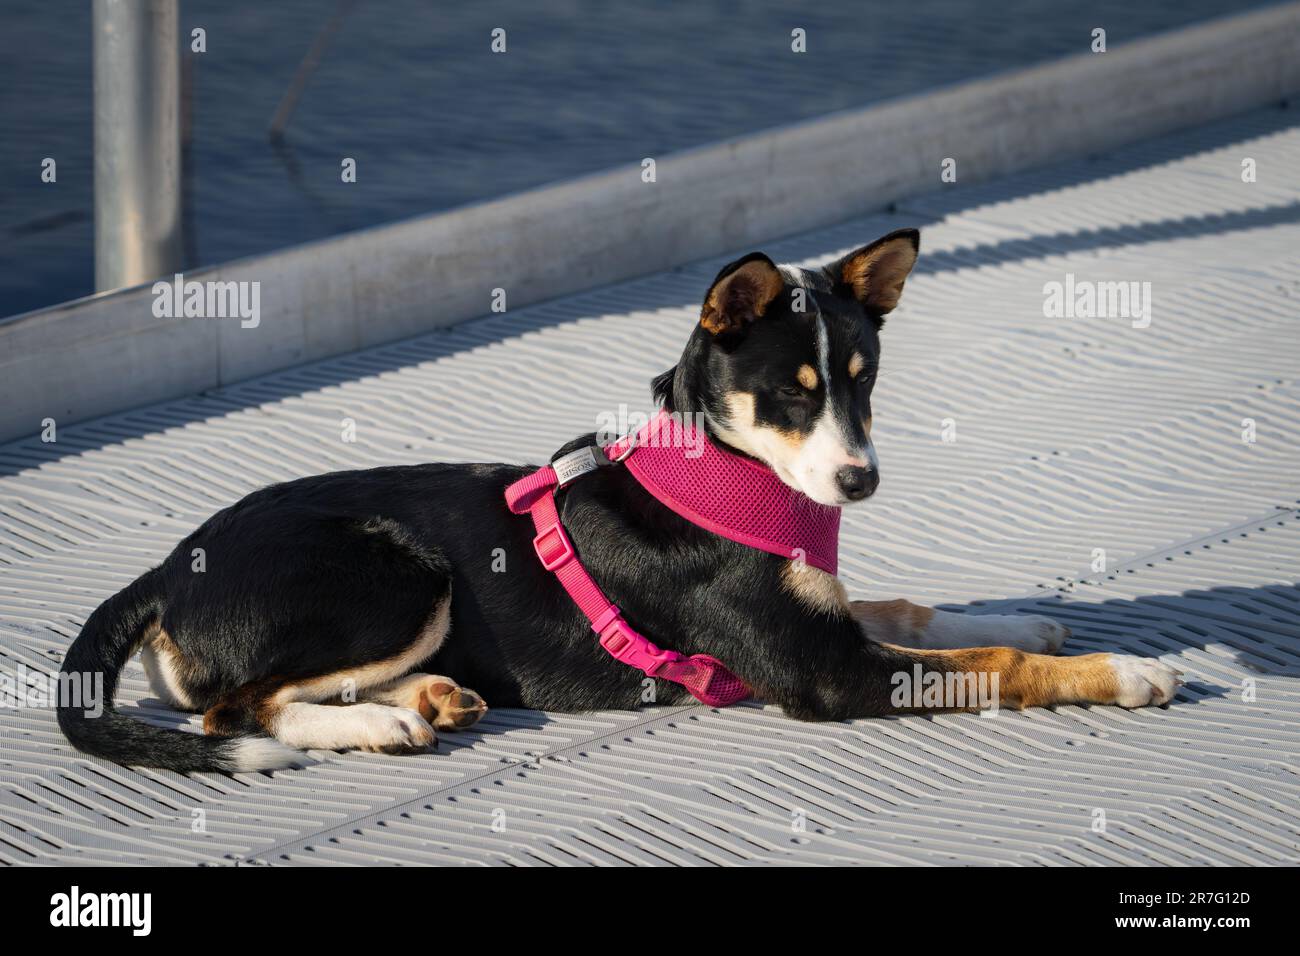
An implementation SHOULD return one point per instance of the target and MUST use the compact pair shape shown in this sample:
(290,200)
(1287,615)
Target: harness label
(575,464)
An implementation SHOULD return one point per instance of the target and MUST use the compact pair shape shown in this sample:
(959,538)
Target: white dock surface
(1072,435)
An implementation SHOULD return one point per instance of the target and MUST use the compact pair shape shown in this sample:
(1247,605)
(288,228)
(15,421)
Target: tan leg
(905,624)
(1037,680)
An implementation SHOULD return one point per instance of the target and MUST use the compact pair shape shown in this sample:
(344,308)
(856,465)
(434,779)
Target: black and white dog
(330,605)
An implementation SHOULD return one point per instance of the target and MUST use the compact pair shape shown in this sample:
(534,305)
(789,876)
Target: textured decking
(1072,435)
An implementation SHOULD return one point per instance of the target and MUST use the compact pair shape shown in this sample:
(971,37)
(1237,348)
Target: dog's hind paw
(396,730)
(448,706)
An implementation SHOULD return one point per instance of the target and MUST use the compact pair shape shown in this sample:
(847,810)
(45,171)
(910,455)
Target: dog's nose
(856,482)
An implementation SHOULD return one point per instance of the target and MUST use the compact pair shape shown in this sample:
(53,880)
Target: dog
(329,607)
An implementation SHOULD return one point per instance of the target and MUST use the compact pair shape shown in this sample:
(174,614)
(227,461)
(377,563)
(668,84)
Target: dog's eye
(790,391)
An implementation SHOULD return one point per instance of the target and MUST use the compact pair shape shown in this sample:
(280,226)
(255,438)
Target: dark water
(434,119)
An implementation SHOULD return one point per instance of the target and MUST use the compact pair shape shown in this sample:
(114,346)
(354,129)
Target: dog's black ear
(740,294)
(875,274)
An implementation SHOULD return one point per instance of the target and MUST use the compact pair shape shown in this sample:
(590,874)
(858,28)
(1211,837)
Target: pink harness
(730,496)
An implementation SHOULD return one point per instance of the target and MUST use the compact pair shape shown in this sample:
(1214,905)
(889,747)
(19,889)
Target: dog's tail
(88,680)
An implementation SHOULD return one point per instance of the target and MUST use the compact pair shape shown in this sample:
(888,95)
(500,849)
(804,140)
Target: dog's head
(783,362)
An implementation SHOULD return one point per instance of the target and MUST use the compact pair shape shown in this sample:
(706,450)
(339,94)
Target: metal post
(137,141)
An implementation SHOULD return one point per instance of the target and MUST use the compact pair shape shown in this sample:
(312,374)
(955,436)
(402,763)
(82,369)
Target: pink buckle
(626,645)
(553,547)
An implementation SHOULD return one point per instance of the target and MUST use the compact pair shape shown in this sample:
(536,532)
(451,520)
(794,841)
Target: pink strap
(705,677)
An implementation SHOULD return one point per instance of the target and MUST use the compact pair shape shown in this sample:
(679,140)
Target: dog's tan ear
(740,294)
(876,273)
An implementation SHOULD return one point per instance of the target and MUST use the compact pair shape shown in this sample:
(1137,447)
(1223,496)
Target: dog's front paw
(1033,633)
(949,630)
(1143,681)
(1052,633)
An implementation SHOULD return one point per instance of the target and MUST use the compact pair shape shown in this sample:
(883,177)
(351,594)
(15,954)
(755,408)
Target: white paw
(1038,634)
(1025,632)
(1143,681)
(394,729)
